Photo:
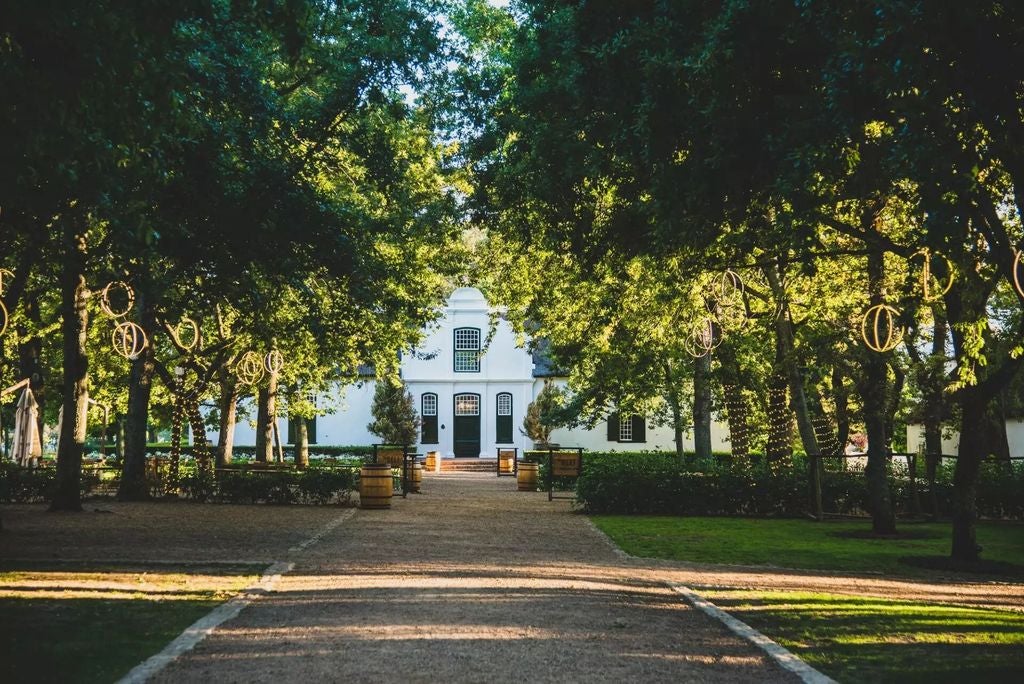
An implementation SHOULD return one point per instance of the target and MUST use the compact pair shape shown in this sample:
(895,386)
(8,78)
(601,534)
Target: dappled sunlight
(123,585)
(418,632)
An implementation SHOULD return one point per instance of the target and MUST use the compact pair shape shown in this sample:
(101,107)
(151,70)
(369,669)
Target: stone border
(204,626)
(784,658)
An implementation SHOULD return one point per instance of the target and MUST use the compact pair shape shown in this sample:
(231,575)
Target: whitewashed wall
(951,438)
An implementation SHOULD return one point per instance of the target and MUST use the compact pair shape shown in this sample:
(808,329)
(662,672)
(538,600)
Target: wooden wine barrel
(505,461)
(375,486)
(432,459)
(527,478)
(415,477)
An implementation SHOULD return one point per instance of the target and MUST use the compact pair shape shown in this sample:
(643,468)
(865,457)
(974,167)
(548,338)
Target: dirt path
(470,581)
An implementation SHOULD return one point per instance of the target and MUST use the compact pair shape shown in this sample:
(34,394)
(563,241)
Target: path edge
(782,656)
(204,626)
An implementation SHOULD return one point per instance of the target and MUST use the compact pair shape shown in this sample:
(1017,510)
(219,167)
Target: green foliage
(542,414)
(394,414)
(659,484)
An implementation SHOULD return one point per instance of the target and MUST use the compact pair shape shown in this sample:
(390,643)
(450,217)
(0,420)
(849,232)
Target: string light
(780,420)
(739,427)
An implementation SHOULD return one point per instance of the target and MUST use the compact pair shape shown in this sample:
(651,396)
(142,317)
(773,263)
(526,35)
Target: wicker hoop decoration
(129,339)
(703,339)
(4,273)
(105,298)
(929,293)
(4,318)
(728,287)
(193,327)
(249,368)
(880,329)
(273,361)
(1017,256)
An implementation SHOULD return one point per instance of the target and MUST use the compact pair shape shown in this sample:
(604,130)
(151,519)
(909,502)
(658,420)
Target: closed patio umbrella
(27,445)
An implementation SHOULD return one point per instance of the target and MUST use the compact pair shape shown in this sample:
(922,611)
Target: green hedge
(326,450)
(34,485)
(242,484)
(660,484)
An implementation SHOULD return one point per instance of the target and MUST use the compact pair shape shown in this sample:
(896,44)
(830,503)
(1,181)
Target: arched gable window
(428,418)
(467,350)
(503,419)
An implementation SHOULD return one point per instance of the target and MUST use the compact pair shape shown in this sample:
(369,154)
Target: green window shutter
(428,418)
(613,427)
(429,430)
(291,431)
(311,430)
(639,429)
(503,418)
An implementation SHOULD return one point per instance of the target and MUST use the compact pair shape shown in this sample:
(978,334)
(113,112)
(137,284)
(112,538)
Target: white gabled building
(472,400)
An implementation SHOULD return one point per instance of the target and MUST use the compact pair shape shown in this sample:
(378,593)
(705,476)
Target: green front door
(467,426)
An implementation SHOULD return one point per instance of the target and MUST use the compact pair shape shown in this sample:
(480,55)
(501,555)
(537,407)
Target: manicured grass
(799,543)
(93,624)
(877,640)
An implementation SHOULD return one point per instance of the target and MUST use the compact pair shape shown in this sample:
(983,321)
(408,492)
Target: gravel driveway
(470,581)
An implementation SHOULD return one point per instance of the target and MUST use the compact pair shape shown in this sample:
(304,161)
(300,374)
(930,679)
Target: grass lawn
(93,624)
(799,543)
(877,640)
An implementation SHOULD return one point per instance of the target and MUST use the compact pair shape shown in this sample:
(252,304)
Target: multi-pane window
(428,414)
(467,404)
(626,429)
(467,350)
(503,421)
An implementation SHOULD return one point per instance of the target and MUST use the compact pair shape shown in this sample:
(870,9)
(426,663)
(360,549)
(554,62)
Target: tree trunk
(228,417)
(973,441)
(301,443)
(737,408)
(133,485)
(797,396)
(934,405)
(780,421)
(75,325)
(675,405)
(265,416)
(702,407)
(874,391)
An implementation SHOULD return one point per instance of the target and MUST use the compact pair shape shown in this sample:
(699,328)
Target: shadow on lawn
(87,640)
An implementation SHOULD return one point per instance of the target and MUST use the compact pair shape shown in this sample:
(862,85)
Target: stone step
(471,465)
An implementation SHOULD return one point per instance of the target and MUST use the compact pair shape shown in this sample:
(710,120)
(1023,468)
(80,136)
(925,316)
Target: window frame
(461,351)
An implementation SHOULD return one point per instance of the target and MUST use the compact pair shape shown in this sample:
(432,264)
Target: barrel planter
(375,486)
(432,461)
(506,459)
(415,477)
(527,478)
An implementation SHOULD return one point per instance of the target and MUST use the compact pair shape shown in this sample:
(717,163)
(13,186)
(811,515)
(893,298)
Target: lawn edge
(230,609)
(781,656)
(205,625)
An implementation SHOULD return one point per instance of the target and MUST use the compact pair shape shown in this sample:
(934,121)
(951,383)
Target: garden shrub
(661,484)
